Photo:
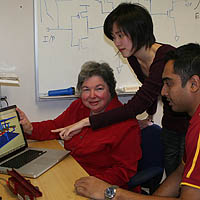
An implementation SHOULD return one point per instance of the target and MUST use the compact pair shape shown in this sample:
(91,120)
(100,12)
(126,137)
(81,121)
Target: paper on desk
(61,142)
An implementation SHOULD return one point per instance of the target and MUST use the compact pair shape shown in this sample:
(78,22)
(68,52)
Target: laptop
(14,150)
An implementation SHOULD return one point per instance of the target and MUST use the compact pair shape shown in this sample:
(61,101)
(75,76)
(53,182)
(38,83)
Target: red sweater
(110,153)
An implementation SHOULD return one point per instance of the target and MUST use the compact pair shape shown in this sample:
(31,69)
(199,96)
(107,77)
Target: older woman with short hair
(110,153)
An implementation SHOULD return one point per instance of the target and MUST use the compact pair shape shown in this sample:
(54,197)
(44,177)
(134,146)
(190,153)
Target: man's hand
(68,132)
(91,187)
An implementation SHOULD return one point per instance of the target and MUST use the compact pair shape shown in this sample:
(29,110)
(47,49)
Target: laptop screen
(11,133)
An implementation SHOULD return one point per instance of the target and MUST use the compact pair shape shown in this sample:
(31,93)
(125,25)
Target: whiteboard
(70,32)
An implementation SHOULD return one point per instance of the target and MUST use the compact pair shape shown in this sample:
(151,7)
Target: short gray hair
(103,70)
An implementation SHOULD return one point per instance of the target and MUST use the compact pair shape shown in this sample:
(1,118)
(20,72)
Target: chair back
(152,148)
(151,165)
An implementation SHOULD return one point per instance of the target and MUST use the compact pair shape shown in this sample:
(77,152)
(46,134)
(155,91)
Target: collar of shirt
(196,116)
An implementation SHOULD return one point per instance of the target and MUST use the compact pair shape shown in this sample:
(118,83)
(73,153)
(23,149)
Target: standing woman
(130,27)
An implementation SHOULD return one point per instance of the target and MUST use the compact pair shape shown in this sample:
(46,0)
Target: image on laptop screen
(11,136)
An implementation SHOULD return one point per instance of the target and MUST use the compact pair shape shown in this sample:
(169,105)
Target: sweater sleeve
(153,108)
(42,130)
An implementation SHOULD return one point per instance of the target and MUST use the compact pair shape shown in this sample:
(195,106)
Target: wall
(17,48)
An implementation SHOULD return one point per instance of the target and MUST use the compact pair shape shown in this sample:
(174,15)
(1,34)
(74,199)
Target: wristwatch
(110,192)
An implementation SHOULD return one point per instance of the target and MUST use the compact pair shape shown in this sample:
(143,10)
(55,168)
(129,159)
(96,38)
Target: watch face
(110,192)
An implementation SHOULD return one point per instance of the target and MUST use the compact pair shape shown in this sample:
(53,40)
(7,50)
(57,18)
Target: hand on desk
(24,121)
(68,132)
(91,187)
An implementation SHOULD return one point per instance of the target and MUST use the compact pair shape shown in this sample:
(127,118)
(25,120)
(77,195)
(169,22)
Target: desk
(55,184)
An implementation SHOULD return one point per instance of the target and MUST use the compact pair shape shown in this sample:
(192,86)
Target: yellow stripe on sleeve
(191,185)
(194,159)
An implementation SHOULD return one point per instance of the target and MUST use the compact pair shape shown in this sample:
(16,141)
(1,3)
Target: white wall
(17,48)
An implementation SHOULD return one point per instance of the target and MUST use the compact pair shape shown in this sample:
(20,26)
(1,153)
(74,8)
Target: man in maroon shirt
(181,79)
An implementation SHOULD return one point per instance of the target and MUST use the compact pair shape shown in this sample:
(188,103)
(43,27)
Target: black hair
(135,21)
(186,61)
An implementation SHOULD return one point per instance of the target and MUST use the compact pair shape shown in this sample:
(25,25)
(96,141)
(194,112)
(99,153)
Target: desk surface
(57,183)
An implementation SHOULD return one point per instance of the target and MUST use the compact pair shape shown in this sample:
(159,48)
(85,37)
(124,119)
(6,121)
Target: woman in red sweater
(110,153)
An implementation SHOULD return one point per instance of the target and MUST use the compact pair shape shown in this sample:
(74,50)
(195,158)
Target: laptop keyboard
(22,159)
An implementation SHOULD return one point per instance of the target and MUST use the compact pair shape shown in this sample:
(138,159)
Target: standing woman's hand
(146,122)
(24,121)
(68,132)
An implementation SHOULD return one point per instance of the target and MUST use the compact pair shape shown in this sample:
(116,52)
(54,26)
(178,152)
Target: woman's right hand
(68,132)
(24,121)
(144,123)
